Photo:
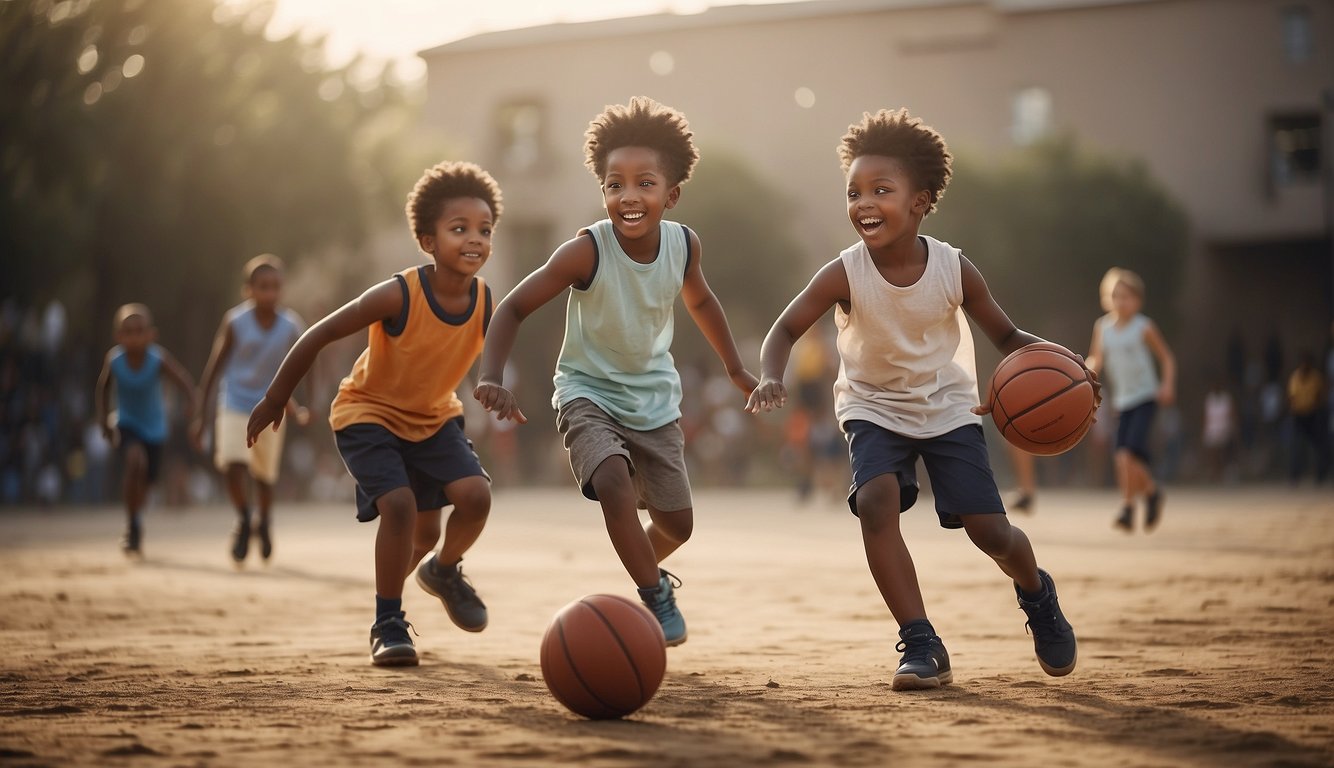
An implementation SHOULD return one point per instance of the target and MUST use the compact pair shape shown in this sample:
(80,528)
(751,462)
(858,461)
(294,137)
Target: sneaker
(241,539)
(1053,637)
(1153,509)
(391,645)
(129,543)
(1023,504)
(661,600)
(265,540)
(1126,521)
(925,663)
(454,590)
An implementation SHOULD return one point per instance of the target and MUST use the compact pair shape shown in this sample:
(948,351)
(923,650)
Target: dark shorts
(130,436)
(956,462)
(1133,428)
(381,461)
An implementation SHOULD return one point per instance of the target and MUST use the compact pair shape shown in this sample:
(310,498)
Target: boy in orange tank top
(397,419)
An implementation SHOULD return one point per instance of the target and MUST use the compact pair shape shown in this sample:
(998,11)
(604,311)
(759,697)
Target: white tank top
(906,353)
(1128,364)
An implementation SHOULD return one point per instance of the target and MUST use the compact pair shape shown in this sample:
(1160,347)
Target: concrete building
(1229,103)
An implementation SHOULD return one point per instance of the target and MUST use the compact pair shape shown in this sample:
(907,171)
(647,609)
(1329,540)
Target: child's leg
(264,500)
(616,493)
(471,497)
(425,535)
(136,480)
(1007,545)
(667,531)
(1126,480)
(886,553)
(238,487)
(393,541)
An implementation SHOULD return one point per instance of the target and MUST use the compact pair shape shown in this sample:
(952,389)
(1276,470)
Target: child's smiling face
(636,191)
(883,205)
(461,242)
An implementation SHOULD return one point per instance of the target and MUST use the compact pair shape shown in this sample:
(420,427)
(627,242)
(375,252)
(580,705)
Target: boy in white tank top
(907,386)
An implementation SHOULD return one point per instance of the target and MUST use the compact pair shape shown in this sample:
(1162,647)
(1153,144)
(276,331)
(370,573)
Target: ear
(921,202)
(427,244)
(673,196)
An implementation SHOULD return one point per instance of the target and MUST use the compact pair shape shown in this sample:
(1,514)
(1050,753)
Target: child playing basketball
(618,393)
(138,426)
(397,419)
(247,350)
(1125,344)
(907,386)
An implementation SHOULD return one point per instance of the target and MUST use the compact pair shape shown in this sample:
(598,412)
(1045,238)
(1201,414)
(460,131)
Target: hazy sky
(397,29)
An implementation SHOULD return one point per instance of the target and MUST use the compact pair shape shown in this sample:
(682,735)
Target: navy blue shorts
(130,436)
(1133,428)
(381,461)
(956,462)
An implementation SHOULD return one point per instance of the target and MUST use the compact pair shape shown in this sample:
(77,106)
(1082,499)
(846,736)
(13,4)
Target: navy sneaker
(241,539)
(391,645)
(265,540)
(925,663)
(1053,637)
(462,604)
(1153,509)
(1126,521)
(129,543)
(661,600)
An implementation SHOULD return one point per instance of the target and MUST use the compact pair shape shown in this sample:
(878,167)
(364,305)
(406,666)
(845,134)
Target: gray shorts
(656,457)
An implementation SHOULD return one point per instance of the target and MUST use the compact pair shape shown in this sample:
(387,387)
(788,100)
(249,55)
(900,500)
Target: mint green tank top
(618,332)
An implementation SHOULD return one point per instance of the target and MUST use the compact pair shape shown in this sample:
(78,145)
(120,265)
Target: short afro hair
(905,138)
(642,123)
(444,181)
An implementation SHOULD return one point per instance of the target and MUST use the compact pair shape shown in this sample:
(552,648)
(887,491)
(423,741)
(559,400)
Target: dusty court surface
(1207,643)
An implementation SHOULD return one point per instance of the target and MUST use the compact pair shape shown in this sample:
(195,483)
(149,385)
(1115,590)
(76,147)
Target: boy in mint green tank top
(618,394)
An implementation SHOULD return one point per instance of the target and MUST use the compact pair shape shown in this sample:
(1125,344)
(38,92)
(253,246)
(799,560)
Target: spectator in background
(1310,422)
(1219,437)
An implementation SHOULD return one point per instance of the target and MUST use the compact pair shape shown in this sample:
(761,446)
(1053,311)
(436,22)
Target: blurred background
(148,149)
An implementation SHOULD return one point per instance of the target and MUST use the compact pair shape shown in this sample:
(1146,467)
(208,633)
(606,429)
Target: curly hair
(444,181)
(905,138)
(642,123)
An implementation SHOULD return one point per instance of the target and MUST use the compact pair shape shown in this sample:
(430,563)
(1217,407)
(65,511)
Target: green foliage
(741,223)
(1046,223)
(150,148)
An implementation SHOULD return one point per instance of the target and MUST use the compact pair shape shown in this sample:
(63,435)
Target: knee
(989,533)
(878,506)
(611,483)
(676,526)
(398,507)
(471,497)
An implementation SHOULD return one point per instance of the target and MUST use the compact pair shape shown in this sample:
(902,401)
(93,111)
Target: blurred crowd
(1266,417)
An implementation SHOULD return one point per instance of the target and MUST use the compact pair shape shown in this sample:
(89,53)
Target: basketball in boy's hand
(603,656)
(1041,399)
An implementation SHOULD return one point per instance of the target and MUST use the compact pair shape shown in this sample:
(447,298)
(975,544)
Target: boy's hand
(1097,385)
(767,395)
(745,381)
(266,413)
(982,409)
(1166,394)
(500,401)
(110,434)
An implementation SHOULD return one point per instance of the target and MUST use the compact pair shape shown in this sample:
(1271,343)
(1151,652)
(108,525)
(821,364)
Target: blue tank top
(1129,366)
(256,354)
(618,332)
(139,394)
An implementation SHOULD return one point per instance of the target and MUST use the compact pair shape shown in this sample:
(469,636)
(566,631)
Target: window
(520,128)
(1297,40)
(1031,115)
(1294,148)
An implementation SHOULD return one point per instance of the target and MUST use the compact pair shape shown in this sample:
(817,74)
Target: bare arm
(380,302)
(217,358)
(102,400)
(571,264)
(183,381)
(1167,363)
(1094,358)
(707,312)
(827,288)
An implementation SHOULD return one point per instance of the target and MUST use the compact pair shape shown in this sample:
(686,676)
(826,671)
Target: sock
(917,627)
(1031,597)
(385,606)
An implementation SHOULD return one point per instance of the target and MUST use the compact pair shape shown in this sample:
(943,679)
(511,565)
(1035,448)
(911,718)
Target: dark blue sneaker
(391,645)
(265,540)
(1153,509)
(661,600)
(129,543)
(462,604)
(1053,637)
(925,663)
(241,540)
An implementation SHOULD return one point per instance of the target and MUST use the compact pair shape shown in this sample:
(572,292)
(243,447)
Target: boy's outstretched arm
(1167,363)
(102,401)
(827,288)
(380,302)
(183,381)
(707,312)
(217,358)
(570,265)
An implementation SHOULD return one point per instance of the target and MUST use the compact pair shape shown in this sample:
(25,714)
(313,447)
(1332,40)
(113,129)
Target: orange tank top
(406,378)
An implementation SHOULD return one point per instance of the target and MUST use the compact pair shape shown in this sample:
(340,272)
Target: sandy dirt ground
(1207,643)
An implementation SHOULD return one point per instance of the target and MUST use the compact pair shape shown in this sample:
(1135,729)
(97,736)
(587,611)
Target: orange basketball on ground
(603,656)
(1041,399)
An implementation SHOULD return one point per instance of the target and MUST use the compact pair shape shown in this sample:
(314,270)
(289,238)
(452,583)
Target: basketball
(603,656)
(1041,399)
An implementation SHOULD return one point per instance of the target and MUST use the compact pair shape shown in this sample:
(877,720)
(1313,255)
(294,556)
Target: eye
(613,185)
(882,190)
(645,183)
(459,229)
(486,231)
(852,195)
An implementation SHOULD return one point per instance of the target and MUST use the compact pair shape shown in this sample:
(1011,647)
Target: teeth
(868,222)
(632,216)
